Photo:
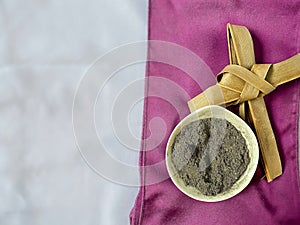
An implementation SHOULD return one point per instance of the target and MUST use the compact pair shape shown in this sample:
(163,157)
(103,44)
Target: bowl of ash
(212,154)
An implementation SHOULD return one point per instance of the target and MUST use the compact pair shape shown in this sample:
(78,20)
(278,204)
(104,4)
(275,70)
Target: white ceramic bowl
(251,141)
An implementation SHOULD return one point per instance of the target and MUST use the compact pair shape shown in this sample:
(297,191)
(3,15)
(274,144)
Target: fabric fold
(200,26)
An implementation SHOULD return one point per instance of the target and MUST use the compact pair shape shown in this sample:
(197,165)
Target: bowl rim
(213,111)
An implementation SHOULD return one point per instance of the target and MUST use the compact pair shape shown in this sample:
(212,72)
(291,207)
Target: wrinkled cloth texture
(200,26)
(46,48)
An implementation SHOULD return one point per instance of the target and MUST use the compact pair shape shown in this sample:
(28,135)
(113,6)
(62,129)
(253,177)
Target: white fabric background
(45,47)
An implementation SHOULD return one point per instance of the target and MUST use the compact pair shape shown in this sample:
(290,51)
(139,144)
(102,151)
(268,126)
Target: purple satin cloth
(200,26)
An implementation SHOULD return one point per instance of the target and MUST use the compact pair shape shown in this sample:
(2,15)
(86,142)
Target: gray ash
(210,155)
